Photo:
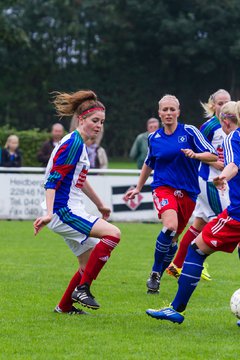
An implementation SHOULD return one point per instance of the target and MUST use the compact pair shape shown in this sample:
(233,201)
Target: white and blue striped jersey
(171,167)
(231,148)
(212,130)
(66,171)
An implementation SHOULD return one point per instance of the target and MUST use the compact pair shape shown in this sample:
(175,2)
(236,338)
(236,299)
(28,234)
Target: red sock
(189,236)
(66,301)
(98,258)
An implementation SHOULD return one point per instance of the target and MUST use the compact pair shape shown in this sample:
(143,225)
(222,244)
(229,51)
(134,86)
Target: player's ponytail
(76,103)
(209,107)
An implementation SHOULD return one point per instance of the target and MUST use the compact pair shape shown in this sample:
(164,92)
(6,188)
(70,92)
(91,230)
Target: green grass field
(35,271)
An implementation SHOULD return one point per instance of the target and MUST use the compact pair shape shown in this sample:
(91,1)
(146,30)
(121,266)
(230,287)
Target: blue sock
(189,278)
(169,256)
(163,243)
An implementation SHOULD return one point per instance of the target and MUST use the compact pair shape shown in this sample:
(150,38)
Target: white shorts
(75,227)
(210,201)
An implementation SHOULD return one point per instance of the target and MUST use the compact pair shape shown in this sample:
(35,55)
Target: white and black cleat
(83,296)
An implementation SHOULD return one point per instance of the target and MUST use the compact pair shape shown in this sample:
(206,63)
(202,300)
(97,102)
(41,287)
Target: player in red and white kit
(90,238)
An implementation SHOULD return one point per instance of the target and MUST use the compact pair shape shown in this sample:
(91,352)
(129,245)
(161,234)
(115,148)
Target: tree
(130,52)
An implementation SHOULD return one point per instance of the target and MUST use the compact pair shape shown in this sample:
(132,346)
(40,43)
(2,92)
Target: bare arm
(218,165)
(92,195)
(40,222)
(227,174)
(204,157)
(145,172)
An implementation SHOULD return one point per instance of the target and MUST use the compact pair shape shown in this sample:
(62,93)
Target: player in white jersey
(210,201)
(90,238)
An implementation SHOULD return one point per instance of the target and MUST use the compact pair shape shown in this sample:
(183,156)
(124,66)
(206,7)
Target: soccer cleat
(83,296)
(153,283)
(167,313)
(238,323)
(205,274)
(173,270)
(73,311)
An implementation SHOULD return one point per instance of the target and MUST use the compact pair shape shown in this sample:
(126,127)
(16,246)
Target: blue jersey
(171,167)
(232,154)
(212,130)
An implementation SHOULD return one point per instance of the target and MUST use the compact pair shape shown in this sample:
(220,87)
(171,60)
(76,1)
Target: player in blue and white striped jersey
(175,152)
(90,238)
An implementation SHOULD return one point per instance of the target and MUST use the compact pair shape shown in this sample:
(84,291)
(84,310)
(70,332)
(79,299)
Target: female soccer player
(210,201)
(174,153)
(65,184)
(221,233)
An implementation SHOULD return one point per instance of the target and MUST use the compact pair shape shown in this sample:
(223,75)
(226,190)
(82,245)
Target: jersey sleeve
(231,148)
(200,142)
(64,160)
(150,159)
(207,131)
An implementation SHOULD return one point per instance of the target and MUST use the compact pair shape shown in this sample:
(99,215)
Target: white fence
(22,192)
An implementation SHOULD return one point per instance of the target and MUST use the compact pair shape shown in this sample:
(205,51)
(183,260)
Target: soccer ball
(235,303)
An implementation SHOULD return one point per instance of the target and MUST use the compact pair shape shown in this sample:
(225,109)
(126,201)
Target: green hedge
(30,142)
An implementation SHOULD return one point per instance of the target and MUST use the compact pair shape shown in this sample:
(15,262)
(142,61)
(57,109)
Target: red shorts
(166,198)
(222,233)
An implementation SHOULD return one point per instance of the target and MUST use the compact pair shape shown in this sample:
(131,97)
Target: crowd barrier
(22,192)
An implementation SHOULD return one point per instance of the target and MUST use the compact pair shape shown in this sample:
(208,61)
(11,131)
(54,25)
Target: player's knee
(115,232)
(171,226)
(194,247)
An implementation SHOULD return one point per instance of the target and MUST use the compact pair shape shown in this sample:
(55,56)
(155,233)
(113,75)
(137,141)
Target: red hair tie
(91,110)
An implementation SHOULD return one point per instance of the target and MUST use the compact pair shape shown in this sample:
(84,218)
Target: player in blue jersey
(210,201)
(221,233)
(174,153)
(90,238)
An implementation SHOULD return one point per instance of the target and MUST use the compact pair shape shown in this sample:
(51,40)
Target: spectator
(11,155)
(73,123)
(140,146)
(96,153)
(48,146)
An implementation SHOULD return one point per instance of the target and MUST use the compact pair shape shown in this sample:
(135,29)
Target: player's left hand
(219,165)
(220,182)
(40,222)
(189,153)
(105,211)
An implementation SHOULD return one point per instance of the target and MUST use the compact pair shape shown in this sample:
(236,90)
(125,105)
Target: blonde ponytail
(209,106)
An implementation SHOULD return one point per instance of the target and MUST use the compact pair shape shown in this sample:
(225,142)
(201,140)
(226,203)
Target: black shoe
(83,296)
(153,283)
(73,311)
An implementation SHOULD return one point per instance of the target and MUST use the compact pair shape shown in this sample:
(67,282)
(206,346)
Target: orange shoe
(173,270)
